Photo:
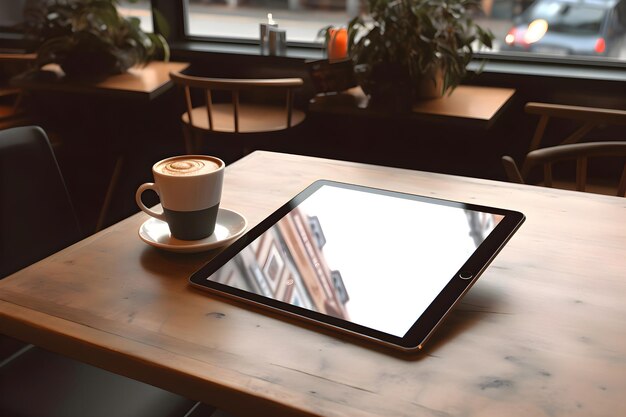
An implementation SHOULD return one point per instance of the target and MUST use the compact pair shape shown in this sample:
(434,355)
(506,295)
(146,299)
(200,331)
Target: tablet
(379,265)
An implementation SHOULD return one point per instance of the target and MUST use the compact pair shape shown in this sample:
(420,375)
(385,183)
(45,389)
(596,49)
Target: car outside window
(564,18)
(582,28)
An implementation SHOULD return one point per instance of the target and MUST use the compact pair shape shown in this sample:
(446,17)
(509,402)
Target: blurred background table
(144,82)
(474,106)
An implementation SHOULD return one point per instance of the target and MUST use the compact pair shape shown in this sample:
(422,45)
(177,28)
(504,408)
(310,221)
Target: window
(240,19)
(577,28)
(140,9)
(11,14)
(588,30)
(12,26)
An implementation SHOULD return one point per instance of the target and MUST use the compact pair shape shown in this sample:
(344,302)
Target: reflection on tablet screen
(368,258)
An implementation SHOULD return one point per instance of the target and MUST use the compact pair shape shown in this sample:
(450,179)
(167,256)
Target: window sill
(522,67)
(199,47)
(551,70)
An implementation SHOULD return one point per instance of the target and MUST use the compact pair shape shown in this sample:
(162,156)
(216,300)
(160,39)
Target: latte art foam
(187,166)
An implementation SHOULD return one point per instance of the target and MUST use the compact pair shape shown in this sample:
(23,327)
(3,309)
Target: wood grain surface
(542,333)
(145,82)
(474,106)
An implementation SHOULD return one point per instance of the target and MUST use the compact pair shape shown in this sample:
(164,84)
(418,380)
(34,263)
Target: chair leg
(246,150)
(115,177)
(187,135)
(621,190)
(512,171)
(197,140)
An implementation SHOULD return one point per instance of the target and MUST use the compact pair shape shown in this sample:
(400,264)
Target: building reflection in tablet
(286,263)
(481,224)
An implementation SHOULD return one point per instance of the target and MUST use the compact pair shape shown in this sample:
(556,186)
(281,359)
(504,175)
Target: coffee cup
(190,190)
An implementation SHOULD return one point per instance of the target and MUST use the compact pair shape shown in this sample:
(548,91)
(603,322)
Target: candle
(337,44)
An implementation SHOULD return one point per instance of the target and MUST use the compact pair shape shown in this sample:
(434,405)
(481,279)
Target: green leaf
(418,35)
(75,28)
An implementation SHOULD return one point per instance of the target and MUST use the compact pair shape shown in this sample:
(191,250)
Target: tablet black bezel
(425,324)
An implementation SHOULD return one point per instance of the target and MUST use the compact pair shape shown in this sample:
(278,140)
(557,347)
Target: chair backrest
(590,117)
(581,152)
(235,87)
(37,217)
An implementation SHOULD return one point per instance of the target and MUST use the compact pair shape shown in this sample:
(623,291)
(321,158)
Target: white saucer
(229,226)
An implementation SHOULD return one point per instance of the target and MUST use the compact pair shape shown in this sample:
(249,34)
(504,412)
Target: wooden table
(473,106)
(138,82)
(542,333)
(17,57)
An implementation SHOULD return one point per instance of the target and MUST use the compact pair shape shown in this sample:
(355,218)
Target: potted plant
(401,48)
(89,38)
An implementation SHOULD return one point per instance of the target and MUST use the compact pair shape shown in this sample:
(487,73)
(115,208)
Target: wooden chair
(590,117)
(236,117)
(581,152)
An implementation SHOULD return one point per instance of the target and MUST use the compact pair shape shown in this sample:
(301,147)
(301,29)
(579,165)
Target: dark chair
(581,153)
(239,119)
(36,214)
(40,383)
(36,220)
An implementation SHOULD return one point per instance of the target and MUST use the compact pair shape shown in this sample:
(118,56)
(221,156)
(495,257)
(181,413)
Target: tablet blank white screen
(372,259)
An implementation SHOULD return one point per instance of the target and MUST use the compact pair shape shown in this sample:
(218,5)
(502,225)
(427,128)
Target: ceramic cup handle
(143,187)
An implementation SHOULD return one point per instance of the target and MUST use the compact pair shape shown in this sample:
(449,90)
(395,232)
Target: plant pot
(89,66)
(431,85)
(88,57)
(388,85)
